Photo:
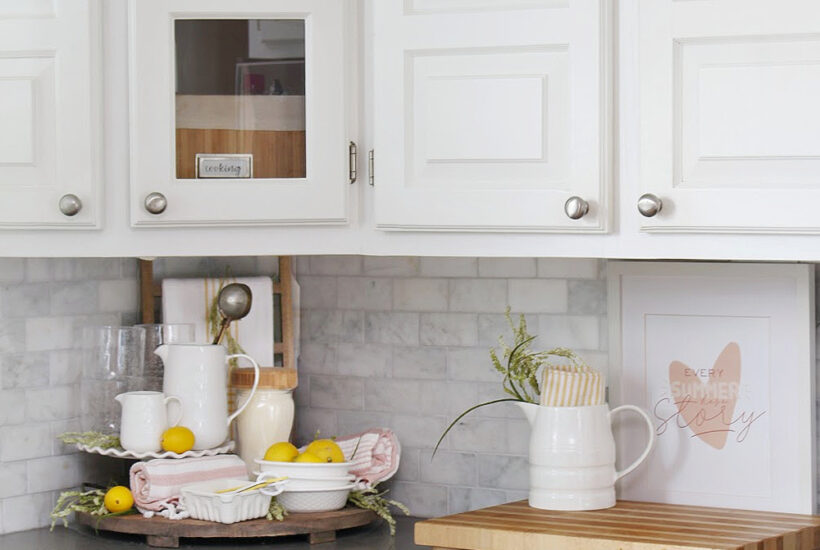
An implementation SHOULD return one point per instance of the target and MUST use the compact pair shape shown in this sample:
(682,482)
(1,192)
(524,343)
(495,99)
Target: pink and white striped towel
(377,455)
(156,483)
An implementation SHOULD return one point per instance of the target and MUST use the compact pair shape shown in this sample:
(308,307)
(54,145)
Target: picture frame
(722,357)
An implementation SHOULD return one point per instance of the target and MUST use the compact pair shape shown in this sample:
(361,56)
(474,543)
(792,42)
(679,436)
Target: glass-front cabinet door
(238,112)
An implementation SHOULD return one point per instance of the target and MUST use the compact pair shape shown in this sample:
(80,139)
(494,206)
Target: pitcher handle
(650,431)
(253,388)
(181,408)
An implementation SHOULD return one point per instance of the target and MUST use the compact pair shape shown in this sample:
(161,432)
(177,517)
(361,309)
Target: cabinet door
(730,114)
(237,112)
(490,115)
(50,114)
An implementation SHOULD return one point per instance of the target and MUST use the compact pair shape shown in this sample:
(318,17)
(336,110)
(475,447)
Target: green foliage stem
(90,502)
(90,439)
(276,511)
(520,368)
(372,499)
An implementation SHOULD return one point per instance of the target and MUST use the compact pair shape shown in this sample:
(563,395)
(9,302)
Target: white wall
(404,343)
(43,305)
(399,342)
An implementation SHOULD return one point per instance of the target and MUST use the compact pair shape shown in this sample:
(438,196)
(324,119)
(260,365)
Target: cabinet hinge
(353,162)
(371,178)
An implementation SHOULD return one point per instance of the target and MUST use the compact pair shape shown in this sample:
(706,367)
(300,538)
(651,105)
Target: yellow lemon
(283,451)
(118,499)
(308,457)
(327,450)
(178,439)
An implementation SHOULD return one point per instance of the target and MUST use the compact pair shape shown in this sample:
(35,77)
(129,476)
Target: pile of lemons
(320,450)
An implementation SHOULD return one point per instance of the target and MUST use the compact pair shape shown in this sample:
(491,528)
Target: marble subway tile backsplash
(44,303)
(404,343)
(400,342)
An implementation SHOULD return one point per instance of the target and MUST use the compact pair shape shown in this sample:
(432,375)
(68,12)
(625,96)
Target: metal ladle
(233,302)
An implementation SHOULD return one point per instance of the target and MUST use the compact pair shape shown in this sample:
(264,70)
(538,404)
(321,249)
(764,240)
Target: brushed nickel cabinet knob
(649,205)
(70,204)
(576,208)
(156,203)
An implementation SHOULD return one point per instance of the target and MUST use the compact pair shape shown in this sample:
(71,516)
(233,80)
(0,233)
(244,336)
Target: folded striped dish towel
(156,483)
(572,386)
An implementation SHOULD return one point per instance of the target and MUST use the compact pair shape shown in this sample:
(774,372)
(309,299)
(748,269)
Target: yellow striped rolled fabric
(572,386)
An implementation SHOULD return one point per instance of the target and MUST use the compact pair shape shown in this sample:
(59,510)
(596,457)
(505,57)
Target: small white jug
(144,419)
(572,456)
(198,374)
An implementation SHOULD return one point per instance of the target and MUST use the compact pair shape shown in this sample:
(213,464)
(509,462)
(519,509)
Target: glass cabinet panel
(240,98)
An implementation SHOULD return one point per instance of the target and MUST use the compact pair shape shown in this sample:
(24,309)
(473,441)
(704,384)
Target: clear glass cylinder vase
(113,363)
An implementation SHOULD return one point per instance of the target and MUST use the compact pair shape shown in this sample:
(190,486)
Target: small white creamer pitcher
(144,418)
(572,456)
(198,374)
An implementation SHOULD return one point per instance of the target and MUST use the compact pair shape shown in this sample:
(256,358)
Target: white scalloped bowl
(314,500)
(305,470)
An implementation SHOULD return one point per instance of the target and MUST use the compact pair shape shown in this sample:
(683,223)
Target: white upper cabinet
(238,112)
(50,114)
(491,114)
(730,115)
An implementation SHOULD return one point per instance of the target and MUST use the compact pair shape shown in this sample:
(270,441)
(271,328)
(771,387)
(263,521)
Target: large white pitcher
(198,374)
(572,456)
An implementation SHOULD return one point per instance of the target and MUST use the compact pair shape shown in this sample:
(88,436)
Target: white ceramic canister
(268,418)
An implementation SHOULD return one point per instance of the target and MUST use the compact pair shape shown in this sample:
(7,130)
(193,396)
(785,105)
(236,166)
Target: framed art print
(721,356)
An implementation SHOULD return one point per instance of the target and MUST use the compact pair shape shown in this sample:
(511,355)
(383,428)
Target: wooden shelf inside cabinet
(151,294)
(627,525)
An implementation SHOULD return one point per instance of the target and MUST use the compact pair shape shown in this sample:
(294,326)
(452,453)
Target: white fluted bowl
(304,470)
(298,483)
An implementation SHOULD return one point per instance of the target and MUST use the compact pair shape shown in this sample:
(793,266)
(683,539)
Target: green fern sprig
(372,499)
(90,502)
(520,367)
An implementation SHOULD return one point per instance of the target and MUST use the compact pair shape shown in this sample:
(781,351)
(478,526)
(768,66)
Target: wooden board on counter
(627,526)
(160,532)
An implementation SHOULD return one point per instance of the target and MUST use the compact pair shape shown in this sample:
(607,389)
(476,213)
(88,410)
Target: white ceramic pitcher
(198,374)
(572,456)
(144,418)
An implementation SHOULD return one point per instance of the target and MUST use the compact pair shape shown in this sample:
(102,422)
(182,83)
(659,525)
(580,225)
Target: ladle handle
(222,327)
(253,388)
(650,430)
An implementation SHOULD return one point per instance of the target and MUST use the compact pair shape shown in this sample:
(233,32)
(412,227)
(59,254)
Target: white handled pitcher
(198,375)
(572,456)
(144,418)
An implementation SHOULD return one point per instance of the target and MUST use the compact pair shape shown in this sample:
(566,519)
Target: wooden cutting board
(627,526)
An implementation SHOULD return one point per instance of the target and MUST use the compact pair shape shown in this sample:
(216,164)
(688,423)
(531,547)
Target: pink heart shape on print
(707,407)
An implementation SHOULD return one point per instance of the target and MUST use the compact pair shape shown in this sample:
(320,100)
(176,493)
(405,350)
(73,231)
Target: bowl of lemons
(318,477)
(322,458)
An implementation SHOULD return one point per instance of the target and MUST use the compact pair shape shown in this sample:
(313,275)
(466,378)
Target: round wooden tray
(165,533)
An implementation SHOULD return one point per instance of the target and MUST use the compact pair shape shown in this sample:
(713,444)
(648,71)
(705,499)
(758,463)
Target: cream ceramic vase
(198,375)
(572,456)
